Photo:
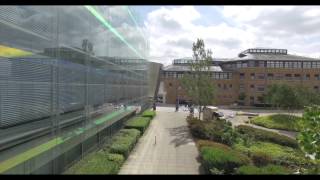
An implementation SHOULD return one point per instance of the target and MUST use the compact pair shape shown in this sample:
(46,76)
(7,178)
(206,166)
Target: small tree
(309,136)
(197,82)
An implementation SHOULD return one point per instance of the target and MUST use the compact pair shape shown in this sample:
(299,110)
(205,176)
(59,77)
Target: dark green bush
(265,135)
(124,141)
(140,123)
(269,169)
(260,158)
(222,159)
(218,130)
(149,113)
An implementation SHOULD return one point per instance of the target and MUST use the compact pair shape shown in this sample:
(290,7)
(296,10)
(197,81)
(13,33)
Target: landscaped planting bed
(283,155)
(265,135)
(278,121)
(124,142)
(139,123)
(269,169)
(149,113)
(222,158)
(218,130)
(98,163)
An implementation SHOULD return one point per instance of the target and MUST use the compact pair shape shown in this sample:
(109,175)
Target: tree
(285,96)
(309,136)
(197,82)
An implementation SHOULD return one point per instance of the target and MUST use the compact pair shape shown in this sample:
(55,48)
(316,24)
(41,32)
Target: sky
(228,30)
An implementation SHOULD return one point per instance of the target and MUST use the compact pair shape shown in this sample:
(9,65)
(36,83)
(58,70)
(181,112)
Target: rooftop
(187,68)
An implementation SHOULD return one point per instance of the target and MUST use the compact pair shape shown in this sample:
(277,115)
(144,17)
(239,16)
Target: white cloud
(172,30)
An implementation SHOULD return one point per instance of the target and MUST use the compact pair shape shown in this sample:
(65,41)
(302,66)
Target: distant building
(248,74)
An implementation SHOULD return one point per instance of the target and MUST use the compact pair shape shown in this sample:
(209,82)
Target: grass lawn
(277,121)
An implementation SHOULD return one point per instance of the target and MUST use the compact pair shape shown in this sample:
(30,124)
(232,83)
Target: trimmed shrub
(202,143)
(260,159)
(139,123)
(218,130)
(278,121)
(117,158)
(97,163)
(281,155)
(149,113)
(222,159)
(269,169)
(124,141)
(265,135)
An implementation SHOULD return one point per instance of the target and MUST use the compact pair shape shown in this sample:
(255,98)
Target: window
(307,77)
(242,76)
(180,75)
(317,76)
(278,77)
(270,76)
(296,64)
(260,88)
(315,64)
(251,64)
(252,76)
(230,86)
(278,64)
(238,64)
(241,87)
(261,76)
(288,76)
(219,85)
(316,88)
(270,64)
(170,84)
(288,64)
(306,65)
(244,64)
(261,64)
(252,86)
(297,76)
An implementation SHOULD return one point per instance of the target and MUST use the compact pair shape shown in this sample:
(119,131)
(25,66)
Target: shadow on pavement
(181,135)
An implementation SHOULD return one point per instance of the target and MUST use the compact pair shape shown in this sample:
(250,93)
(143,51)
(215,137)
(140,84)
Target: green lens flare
(112,29)
(135,22)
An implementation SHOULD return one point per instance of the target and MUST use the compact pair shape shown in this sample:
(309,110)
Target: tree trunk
(199,112)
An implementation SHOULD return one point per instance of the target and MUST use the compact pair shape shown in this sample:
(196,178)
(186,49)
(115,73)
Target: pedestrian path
(166,147)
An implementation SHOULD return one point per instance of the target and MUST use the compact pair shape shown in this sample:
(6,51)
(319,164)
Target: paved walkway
(174,151)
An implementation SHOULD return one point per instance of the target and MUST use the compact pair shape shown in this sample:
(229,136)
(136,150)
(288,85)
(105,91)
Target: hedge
(219,130)
(139,123)
(149,113)
(222,159)
(279,154)
(269,169)
(124,141)
(98,163)
(265,135)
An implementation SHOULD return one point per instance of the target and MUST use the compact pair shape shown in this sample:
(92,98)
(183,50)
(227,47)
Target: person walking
(177,105)
(154,106)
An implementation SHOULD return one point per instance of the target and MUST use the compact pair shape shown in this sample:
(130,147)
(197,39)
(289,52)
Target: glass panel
(66,73)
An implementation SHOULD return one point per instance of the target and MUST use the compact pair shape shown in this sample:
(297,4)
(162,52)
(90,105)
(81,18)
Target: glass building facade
(69,75)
